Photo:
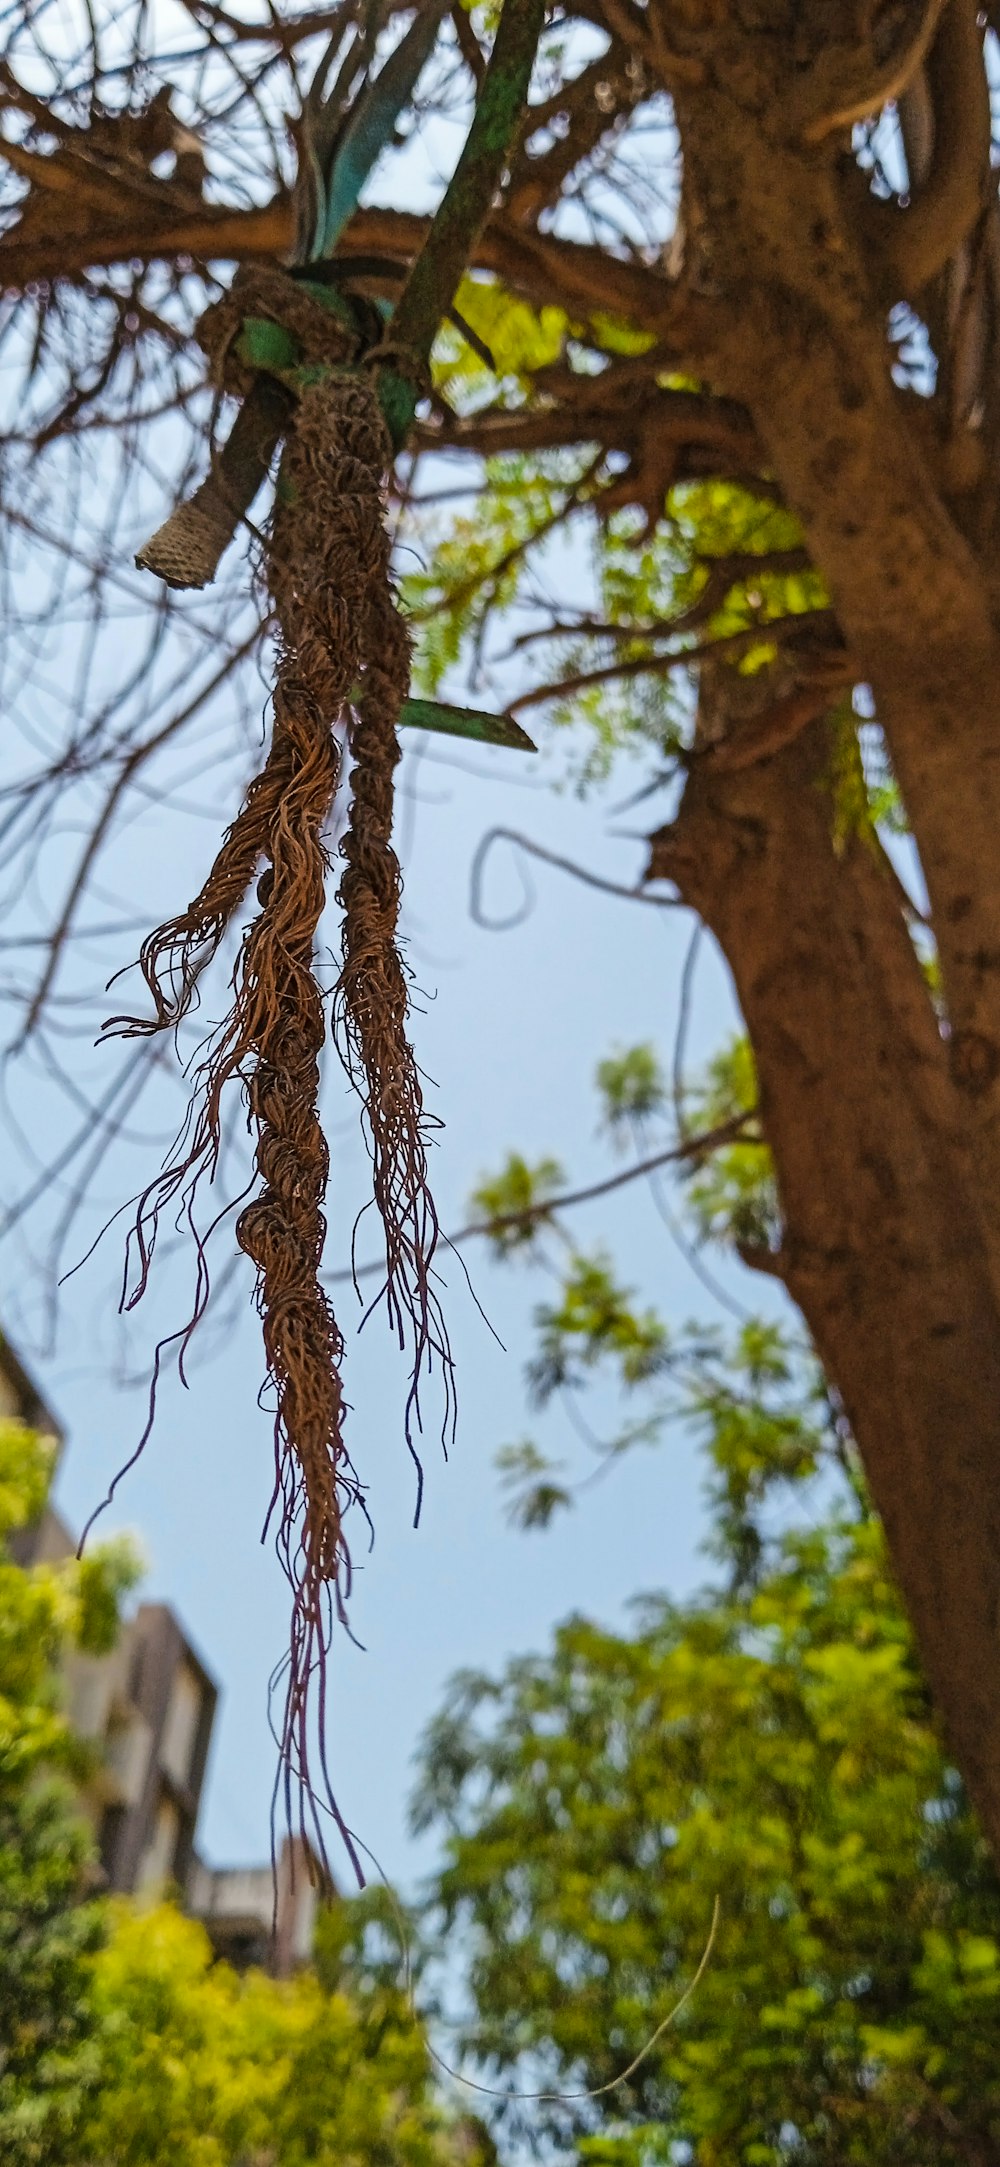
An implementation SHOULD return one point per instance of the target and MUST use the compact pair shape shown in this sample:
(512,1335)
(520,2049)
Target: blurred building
(20,1397)
(256,1914)
(148,1710)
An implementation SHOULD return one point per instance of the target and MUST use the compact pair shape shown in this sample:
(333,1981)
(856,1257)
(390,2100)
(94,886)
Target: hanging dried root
(343,659)
(343,650)
(283,1229)
(371,1013)
(372,994)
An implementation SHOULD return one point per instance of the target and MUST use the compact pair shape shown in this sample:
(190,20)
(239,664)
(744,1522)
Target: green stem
(468,198)
(473,722)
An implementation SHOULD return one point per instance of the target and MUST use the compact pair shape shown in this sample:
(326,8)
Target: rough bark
(914,603)
(884,1120)
(882,1247)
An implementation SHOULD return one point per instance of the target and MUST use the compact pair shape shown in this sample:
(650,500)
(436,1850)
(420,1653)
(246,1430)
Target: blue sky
(510,1029)
(511,1034)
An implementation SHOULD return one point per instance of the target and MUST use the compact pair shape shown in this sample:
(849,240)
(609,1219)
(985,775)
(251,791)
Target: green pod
(471,722)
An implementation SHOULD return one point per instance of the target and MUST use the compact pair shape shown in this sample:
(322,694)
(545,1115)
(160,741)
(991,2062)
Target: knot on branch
(187,550)
(263,291)
(974,1062)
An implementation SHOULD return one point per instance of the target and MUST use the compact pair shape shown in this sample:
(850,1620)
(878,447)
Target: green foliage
(364,1944)
(773,1747)
(26,1464)
(200,2065)
(48,1931)
(517,1189)
(487,13)
(595,1322)
(760,1406)
(48,1934)
(519,338)
(475,563)
(104,1577)
(595,1330)
(714,520)
(885,803)
(863,789)
(643,584)
(720,564)
(732,1195)
(594,1326)
(614,335)
(478,562)
(631,1086)
(852,812)
(43,1611)
(122,2043)
(721,519)
(534,1496)
(769,1743)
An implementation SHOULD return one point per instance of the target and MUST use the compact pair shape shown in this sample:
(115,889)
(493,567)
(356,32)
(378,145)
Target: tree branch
(593,104)
(849,81)
(764,735)
(584,280)
(562,865)
(695,1147)
(655,665)
(622,415)
(913,244)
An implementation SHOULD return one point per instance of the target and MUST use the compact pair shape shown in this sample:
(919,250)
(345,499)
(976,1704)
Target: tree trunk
(883,1248)
(883,1116)
(917,605)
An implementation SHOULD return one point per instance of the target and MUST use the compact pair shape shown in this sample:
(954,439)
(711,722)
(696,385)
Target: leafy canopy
(769,1744)
(202,2065)
(48,1930)
(122,2042)
(772,1746)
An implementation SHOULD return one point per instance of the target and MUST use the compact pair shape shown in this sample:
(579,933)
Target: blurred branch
(849,80)
(912,244)
(562,865)
(694,1147)
(731,643)
(574,275)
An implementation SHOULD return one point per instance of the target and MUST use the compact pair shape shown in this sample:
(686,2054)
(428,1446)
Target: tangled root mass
(343,658)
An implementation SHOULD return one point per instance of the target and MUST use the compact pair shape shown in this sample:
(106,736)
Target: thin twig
(562,865)
(694,1147)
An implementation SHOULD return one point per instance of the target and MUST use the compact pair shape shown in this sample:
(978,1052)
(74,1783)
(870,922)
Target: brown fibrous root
(343,658)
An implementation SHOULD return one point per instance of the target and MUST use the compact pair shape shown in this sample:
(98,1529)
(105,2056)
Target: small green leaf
(471,722)
(518,1189)
(265,345)
(632,1085)
(534,1496)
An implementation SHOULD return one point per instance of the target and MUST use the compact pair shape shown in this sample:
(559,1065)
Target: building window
(112,1823)
(156,1867)
(180,1730)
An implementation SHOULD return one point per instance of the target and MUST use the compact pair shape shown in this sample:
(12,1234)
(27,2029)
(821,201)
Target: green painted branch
(368,129)
(468,198)
(472,722)
(186,551)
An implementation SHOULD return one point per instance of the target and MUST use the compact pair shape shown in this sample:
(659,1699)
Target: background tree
(121,2040)
(768,1744)
(778,401)
(195,2062)
(48,1928)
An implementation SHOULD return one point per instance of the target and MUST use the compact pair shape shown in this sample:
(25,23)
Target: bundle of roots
(342,674)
